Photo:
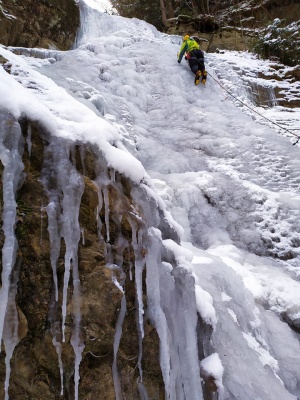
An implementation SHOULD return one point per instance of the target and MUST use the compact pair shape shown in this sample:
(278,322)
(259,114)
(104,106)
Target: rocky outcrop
(45,23)
(234,27)
(257,14)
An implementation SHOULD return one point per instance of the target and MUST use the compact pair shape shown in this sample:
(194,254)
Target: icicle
(13,167)
(28,139)
(106,206)
(156,313)
(76,342)
(67,194)
(10,333)
(54,235)
(130,271)
(138,280)
(65,295)
(102,181)
(57,346)
(73,186)
(112,175)
(167,289)
(178,303)
(98,209)
(139,266)
(117,339)
(78,349)
(271,94)
(142,391)
(10,341)
(82,235)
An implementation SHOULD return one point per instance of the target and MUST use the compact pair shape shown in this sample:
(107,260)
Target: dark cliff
(44,23)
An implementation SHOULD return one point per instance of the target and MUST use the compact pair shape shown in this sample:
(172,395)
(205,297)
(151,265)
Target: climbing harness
(252,109)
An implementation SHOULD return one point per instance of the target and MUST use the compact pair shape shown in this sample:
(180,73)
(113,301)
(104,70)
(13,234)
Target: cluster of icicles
(170,289)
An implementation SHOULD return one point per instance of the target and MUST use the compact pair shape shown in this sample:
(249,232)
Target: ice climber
(191,49)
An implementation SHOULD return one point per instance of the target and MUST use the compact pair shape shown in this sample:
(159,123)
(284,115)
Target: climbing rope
(252,109)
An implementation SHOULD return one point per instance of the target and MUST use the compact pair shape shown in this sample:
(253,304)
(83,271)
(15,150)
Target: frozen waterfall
(167,220)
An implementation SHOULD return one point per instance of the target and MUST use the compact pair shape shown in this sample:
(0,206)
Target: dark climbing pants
(196,61)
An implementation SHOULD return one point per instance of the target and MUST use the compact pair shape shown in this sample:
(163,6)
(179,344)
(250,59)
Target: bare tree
(170,10)
(163,12)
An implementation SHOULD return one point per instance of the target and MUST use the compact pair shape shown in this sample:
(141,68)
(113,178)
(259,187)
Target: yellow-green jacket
(187,45)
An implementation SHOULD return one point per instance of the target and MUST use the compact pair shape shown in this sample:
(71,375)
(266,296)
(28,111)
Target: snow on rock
(205,307)
(211,366)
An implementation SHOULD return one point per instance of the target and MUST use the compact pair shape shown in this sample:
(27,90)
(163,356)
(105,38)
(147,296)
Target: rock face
(44,23)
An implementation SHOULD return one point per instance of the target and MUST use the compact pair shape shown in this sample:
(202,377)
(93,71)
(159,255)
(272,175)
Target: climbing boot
(204,76)
(197,77)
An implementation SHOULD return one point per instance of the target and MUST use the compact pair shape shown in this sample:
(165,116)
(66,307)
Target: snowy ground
(229,177)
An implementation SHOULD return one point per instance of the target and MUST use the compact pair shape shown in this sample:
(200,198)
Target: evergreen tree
(280,40)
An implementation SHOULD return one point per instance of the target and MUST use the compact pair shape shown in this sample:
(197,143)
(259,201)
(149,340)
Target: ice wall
(11,149)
